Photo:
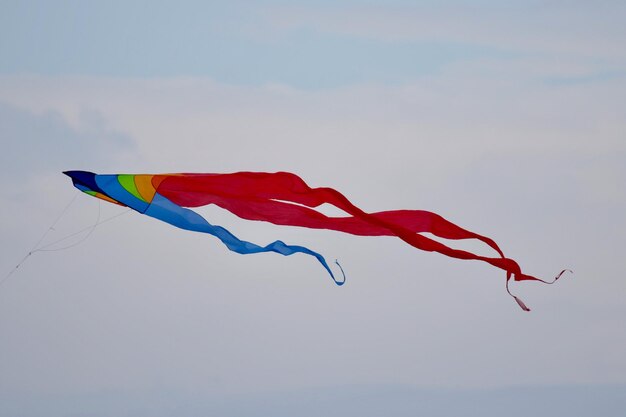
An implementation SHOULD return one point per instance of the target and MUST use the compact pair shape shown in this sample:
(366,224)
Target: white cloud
(582,30)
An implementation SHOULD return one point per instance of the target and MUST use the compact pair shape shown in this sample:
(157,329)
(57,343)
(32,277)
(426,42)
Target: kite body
(281,198)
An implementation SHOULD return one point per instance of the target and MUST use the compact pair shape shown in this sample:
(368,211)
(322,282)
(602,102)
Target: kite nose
(79,174)
(75,174)
(83,177)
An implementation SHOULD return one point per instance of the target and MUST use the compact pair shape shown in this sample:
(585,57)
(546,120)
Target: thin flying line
(35,248)
(54,223)
(90,228)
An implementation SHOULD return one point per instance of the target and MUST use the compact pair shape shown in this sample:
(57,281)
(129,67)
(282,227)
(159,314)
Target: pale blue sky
(505,117)
(293,43)
(231,42)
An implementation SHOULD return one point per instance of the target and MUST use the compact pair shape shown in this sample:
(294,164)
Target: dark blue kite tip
(78,174)
(84,178)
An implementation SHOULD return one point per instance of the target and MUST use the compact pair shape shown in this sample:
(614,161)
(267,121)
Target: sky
(505,117)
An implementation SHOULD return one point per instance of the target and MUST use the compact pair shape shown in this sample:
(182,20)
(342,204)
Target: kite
(280,198)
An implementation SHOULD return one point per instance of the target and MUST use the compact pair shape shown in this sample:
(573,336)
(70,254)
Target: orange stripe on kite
(145,187)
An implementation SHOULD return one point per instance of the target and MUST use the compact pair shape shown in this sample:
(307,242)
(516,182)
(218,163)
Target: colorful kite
(281,198)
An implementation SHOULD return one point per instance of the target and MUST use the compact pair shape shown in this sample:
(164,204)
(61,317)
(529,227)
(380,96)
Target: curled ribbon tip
(340,283)
(521,303)
(515,278)
(517,299)
(561,273)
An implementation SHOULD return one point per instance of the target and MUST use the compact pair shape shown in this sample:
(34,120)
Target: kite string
(90,228)
(44,248)
(53,224)
(30,252)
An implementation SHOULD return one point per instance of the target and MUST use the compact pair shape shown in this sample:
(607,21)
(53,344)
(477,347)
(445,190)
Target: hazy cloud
(36,144)
(521,139)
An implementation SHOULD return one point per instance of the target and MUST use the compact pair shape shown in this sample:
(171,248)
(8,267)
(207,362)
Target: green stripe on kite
(128,182)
